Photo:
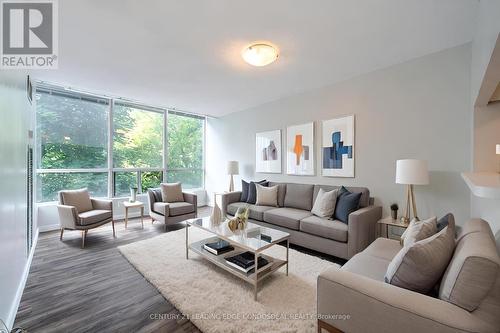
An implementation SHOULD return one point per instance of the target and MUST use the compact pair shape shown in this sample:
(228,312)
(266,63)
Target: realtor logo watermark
(29,34)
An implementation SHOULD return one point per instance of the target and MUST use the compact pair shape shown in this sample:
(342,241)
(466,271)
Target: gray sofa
(472,281)
(171,212)
(294,216)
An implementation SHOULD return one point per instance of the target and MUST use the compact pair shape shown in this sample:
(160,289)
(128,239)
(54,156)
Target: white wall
(418,109)
(14,125)
(485,37)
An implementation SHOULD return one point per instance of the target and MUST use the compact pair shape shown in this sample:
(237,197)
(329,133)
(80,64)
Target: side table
(389,221)
(135,204)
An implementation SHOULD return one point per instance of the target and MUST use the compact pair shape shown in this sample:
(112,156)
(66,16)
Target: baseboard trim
(50,227)
(20,289)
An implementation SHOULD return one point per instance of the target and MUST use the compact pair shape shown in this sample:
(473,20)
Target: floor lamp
(409,173)
(232,169)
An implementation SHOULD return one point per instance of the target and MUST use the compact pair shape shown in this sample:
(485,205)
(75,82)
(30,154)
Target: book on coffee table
(245,262)
(218,247)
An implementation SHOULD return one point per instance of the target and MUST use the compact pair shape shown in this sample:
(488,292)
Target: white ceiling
(186,53)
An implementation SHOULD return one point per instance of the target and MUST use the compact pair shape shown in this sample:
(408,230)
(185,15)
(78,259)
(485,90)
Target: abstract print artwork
(338,147)
(300,149)
(268,152)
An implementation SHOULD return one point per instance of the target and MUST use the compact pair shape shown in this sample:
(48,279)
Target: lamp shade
(498,149)
(412,172)
(232,168)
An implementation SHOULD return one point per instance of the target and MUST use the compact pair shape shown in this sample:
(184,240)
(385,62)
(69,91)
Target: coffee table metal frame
(252,278)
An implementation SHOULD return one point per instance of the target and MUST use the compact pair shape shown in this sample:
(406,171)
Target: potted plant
(394,211)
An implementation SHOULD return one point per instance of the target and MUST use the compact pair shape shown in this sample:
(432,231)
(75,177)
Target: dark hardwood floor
(96,289)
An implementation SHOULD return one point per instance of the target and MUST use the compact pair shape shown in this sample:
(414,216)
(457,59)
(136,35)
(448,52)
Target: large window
(148,145)
(185,149)
(72,132)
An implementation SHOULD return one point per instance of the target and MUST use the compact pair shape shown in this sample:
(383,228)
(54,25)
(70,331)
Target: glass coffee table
(254,239)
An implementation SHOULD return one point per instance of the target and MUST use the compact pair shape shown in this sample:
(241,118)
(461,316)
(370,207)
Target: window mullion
(110,150)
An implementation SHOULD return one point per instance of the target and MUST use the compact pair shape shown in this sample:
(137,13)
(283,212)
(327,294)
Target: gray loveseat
(471,283)
(294,216)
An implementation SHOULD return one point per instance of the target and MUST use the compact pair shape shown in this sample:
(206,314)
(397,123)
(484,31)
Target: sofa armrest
(102,204)
(362,228)
(68,216)
(369,303)
(229,198)
(192,199)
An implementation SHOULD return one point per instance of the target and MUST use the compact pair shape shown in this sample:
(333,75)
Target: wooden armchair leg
(84,234)
(62,232)
(113,224)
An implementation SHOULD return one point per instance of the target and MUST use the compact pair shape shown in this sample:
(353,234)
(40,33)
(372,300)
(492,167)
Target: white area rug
(216,301)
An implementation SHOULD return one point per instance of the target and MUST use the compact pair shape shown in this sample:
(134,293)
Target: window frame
(110,169)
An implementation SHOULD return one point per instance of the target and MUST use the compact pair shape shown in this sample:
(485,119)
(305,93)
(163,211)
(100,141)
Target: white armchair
(78,211)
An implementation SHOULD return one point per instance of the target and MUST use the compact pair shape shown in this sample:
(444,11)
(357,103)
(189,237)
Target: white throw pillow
(171,192)
(324,205)
(418,230)
(267,196)
(419,266)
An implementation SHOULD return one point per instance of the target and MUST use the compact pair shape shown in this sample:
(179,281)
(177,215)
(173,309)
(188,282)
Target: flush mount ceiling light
(260,54)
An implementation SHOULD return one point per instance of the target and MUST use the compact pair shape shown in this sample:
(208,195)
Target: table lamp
(411,172)
(232,169)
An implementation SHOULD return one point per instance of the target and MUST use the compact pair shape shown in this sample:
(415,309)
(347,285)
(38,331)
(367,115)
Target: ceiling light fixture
(260,54)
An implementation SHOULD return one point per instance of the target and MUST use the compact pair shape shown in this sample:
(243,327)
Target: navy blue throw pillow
(347,203)
(443,222)
(252,191)
(244,191)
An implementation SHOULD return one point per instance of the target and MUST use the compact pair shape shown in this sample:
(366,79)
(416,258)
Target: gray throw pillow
(418,230)
(171,192)
(267,196)
(419,266)
(324,205)
(252,191)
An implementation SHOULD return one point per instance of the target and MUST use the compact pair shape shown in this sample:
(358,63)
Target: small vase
(394,214)
(133,194)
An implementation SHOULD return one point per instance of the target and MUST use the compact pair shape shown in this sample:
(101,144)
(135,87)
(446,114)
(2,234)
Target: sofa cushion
(255,212)
(330,229)
(418,230)
(161,208)
(419,266)
(368,266)
(472,272)
(383,248)
(94,216)
(347,203)
(266,196)
(281,192)
(80,199)
(180,208)
(286,217)
(252,191)
(171,192)
(299,196)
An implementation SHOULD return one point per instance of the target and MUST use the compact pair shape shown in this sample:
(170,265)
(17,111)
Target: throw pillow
(244,191)
(324,205)
(347,203)
(267,196)
(252,191)
(419,266)
(171,192)
(444,221)
(418,230)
